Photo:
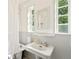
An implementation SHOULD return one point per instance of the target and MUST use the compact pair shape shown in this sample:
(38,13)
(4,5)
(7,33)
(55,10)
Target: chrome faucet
(44,44)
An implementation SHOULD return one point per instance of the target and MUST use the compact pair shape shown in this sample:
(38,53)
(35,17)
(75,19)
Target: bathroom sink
(39,46)
(39,49)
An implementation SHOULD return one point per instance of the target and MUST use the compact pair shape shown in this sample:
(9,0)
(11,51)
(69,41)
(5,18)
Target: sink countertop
(47,52)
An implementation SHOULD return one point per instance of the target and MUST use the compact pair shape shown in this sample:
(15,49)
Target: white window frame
(56,18)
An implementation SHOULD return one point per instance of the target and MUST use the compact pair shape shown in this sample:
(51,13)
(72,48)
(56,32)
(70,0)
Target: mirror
(39,16)
(38,21)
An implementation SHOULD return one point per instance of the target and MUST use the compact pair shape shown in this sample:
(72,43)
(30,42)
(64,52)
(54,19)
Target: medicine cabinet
(38,17)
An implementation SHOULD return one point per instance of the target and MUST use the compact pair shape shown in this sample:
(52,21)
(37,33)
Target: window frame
(56,18)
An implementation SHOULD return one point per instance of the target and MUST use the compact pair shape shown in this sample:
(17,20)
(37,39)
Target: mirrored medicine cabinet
(37,17)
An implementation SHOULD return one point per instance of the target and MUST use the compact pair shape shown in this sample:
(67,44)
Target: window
(62,16)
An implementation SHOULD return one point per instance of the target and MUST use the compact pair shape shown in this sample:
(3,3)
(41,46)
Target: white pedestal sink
(40,50)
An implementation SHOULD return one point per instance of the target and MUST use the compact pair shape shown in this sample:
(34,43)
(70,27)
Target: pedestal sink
(39,46)
(39,50)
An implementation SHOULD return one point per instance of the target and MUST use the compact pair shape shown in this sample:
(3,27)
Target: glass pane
(63,19)
(62,2)
(62,11)
(63,28)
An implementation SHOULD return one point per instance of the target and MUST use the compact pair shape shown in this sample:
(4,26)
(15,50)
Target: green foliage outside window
(63,16)
(63,19)
(62,11)
(32,17)
(62,2)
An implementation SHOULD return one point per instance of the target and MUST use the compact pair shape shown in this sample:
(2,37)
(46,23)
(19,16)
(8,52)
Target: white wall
(13,26)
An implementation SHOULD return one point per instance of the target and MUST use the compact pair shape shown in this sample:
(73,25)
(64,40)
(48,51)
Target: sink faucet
(45,44)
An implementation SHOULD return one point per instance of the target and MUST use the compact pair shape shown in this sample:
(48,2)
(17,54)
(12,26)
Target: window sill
(63,33)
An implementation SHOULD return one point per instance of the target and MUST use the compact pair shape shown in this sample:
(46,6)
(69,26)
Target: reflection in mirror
(37,18)
(31,19)
(38,21)
(43,19)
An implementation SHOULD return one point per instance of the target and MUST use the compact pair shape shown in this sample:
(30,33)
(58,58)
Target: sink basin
(39,49)
(38,46)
